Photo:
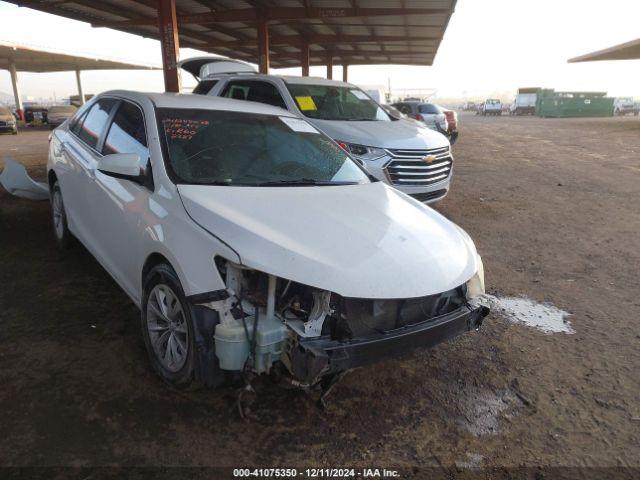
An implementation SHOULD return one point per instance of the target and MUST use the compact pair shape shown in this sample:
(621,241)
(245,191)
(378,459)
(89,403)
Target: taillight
(344,146)
(417,116)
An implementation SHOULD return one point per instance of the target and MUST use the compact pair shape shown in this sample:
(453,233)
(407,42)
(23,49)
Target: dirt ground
(553,206)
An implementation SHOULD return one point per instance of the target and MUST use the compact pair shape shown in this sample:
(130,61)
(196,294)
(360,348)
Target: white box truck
(525,102)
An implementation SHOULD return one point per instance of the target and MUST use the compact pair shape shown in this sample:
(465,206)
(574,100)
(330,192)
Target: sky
(491,47)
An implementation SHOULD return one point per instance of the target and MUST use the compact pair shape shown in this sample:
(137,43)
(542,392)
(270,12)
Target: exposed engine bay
(267,321)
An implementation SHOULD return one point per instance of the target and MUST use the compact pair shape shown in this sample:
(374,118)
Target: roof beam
(348,54)
(282,13)
(319,39)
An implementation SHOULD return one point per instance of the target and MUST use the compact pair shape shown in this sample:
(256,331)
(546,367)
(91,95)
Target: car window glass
(254,91)
(404,108)
(127,133)
(336,102)
(76,123)
(212,147)
(428,108)
(95,121)
(204,87)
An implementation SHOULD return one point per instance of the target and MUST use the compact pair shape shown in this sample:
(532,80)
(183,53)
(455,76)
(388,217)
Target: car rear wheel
(167,327)
(61,232)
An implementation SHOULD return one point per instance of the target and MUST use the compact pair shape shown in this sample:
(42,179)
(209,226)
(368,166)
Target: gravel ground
(553,208)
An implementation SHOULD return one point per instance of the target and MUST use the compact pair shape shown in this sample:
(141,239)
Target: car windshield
(214,147)
(335,102)
(62,109)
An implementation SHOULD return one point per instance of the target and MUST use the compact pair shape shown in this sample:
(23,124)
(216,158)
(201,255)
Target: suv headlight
(362,152)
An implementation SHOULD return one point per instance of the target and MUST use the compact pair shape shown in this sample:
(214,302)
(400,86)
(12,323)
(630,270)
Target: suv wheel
(167,326)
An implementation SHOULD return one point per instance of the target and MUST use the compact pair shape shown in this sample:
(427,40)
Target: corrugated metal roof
(624,51)
(35,59)
(405,32)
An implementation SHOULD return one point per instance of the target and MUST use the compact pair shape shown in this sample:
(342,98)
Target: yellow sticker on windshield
(306,103)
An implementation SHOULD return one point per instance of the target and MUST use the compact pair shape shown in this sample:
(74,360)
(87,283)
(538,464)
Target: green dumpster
(573,104)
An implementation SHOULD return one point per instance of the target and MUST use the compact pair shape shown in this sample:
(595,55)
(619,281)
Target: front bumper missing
(314,358)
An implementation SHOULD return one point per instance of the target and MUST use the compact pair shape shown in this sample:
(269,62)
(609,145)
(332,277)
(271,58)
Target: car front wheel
(167,327)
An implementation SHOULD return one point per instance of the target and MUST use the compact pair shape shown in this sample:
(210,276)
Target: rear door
(80,154)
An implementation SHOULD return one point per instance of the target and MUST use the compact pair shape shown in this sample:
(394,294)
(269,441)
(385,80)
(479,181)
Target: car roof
(200,102)
(291,79)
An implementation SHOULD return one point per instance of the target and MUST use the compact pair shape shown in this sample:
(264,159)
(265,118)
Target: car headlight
(475,286)
(362,152)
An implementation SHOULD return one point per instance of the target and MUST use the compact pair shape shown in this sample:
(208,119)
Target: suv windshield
(334,102)
(214,147)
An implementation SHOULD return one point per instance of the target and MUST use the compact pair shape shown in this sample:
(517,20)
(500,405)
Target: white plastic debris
(15,179)
(523,310)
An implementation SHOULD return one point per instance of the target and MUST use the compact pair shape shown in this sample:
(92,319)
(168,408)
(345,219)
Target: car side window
(204,87)
(76,123)
(127,132)
(254,91)
(404,108)
(95,121)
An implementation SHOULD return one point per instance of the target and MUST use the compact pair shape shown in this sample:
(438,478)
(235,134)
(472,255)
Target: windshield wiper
(303,182)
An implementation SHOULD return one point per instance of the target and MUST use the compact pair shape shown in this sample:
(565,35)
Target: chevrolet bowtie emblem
(429,159)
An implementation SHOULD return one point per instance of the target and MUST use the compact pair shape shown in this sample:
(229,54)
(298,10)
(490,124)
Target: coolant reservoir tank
(232,346)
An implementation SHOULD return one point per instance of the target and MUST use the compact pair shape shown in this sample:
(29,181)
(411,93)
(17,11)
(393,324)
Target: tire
(61,232)
(167,327)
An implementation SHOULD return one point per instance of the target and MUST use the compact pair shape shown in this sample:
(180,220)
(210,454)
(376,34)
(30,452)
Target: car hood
(362,241)
(7,118)
(395,134)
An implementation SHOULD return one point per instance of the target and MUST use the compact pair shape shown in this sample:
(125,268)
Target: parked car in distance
(624,106)
(492,106)
(452,123)
(469,107)
(404,154)
(251,242)
(8,123)
(428,113)
(57,114)
(35,114)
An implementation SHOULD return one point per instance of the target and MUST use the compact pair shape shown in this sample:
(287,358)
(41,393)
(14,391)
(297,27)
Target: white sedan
(252,242)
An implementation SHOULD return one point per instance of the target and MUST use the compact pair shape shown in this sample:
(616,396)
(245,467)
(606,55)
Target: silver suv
(411,157)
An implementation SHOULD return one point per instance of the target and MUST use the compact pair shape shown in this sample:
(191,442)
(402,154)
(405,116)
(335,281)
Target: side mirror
(123,165)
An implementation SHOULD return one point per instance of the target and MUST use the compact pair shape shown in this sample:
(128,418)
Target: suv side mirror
(121,165)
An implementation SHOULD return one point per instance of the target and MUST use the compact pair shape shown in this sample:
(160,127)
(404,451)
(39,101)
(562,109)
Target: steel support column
(329,66)
(305,59)
(16,90)
(170,44)
(263,46)
(80,90)
(345,72)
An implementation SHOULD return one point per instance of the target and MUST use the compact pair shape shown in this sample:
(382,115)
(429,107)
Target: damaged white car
(251,242)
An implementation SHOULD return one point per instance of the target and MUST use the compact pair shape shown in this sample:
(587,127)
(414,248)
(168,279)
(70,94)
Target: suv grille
(409,168)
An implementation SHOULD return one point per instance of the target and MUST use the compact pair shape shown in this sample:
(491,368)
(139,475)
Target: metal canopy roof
(31,59)
(355,32)
(624,51)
